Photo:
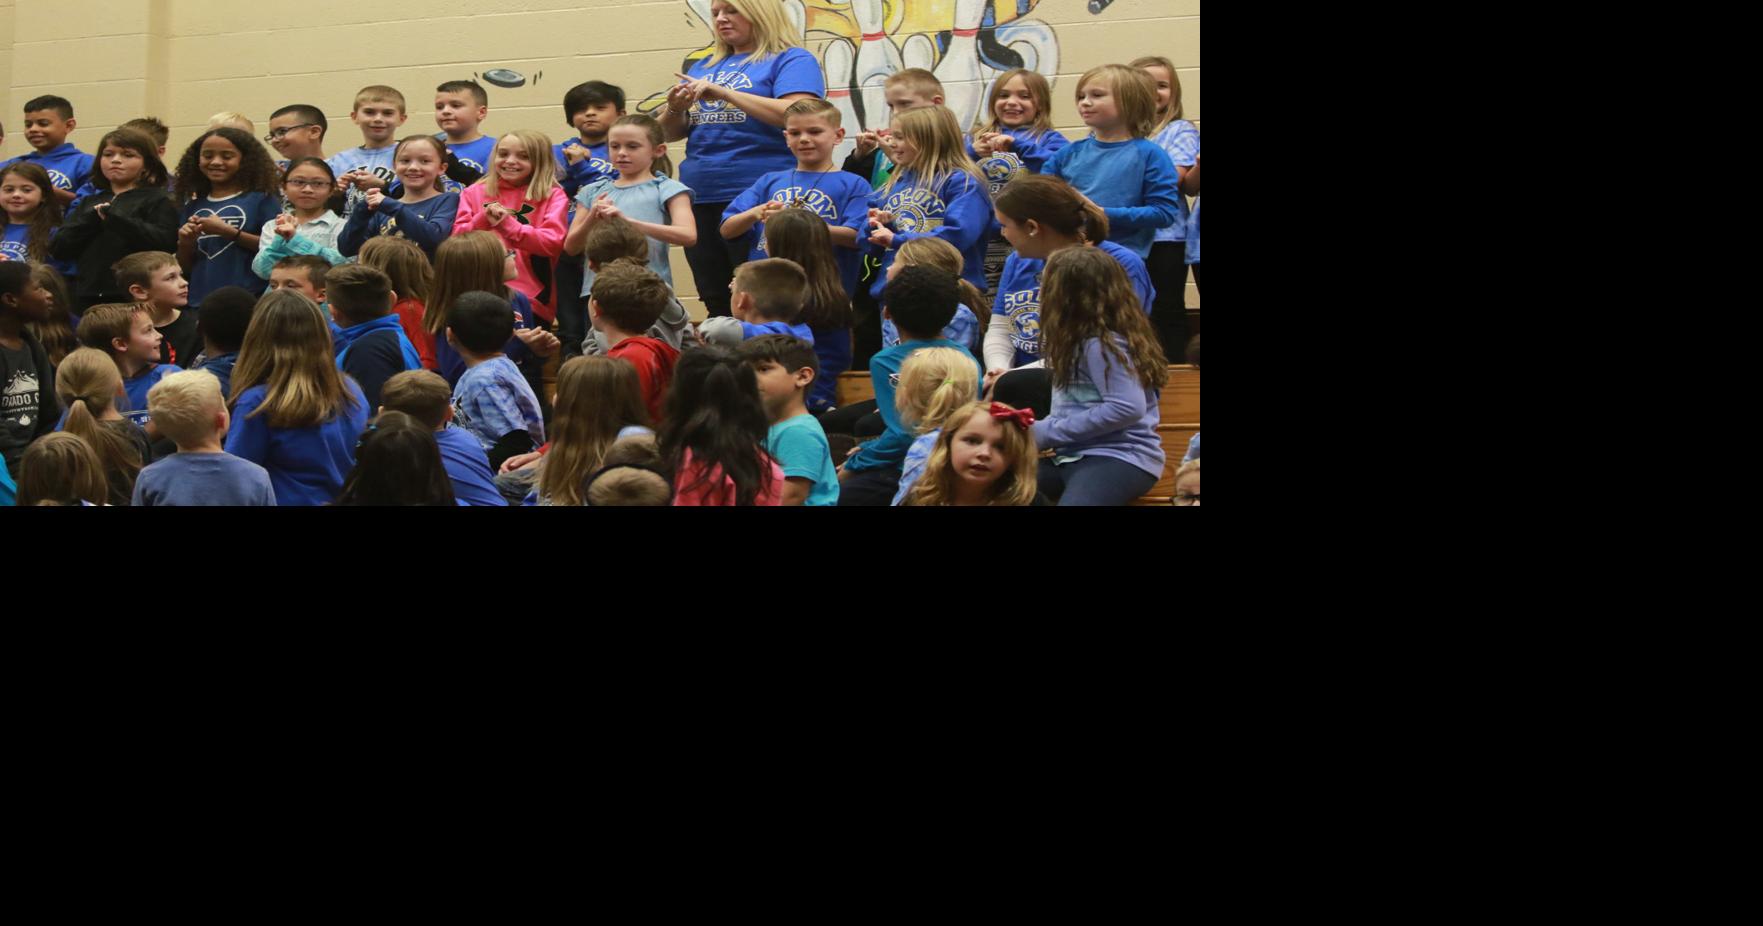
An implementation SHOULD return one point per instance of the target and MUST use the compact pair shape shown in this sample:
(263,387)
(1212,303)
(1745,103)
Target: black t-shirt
(372,360)
(181,343)
(20,397)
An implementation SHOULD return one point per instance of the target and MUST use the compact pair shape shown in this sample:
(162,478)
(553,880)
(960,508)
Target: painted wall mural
(860,43)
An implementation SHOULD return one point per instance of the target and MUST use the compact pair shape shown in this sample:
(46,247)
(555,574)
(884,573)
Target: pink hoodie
(537,233)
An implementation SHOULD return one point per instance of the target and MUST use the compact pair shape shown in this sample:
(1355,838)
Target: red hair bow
(1024,417)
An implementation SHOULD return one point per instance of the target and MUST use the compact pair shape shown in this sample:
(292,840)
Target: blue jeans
(1094,481)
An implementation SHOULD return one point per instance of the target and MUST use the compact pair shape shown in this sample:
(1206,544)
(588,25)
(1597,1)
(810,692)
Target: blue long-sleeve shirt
(572,177)
(68,168)
(1133,181)
(957,210)
(1103,412)
(889,450)
(428,223)
(307,466)
(1029,149)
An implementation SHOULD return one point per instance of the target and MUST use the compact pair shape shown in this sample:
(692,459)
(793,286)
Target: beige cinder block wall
(184,60)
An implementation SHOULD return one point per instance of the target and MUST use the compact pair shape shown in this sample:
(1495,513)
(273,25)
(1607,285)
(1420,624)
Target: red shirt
(654,360)
(723,493)
(410,316)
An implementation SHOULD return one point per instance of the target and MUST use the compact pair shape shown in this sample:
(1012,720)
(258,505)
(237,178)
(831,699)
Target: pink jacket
(539,236)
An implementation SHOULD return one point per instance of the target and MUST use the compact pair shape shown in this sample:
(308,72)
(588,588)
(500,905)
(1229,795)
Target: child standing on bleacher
(1168,259)
(520,202)
(1107,369)
(1117,167)
(230,190)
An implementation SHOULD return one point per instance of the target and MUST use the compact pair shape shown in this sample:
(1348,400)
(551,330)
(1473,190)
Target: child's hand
(867,142)
(991,380)
(982,146)
(495,213)
(878,217)
(367,181)
(605,208)
(103,210)
(764,211)
(576,154)
(344,183)
(374,198)
(212,225)
(190,231)
(541,342)
(285,226)
(523,461)
(882,236)
(998,141)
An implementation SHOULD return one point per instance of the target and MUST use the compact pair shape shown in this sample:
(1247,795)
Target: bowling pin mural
(837,62)
(964,78)
(877,60)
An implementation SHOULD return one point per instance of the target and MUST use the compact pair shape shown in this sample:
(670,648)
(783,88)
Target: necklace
(796,181)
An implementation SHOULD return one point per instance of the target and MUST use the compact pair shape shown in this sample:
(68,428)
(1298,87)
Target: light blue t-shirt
(1182,142)
(493,399)
(730,149)
(645,201)
(799,445)
(376,161)
(912,470)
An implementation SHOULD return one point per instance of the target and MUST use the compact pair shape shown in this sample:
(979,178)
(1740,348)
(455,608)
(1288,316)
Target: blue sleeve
(1055,165)
(430,232)
(270,248)
(1122,405)
(891,447)
(798,72)
(300,244)
(248,437)
(516,349)
(1035,152)
(355,230)
(968,218)
(1158,194)
(750,197)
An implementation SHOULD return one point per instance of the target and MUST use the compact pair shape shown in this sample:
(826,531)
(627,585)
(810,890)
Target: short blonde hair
(380,93)
(184,404)
(815,106)
(232,120)
(1135,96)
(917,81)
(421,394)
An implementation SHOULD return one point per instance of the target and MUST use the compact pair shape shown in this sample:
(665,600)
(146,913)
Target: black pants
(1031,388)
(714,258)
(860,420)
(871,488)
(1169,274)
(866,315)
(572,309)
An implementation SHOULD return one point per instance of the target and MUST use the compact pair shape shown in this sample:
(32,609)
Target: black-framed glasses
(277,134)
(309,184)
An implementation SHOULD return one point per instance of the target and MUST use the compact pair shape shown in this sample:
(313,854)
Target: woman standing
(731,107)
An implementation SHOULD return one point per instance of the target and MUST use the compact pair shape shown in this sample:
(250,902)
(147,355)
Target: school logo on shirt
(213,246)
(917,210)
(19,401)
(719,111)
(13,250)
(384,174)
(1000,169)
(815,201)
(60,179)
(1023,308)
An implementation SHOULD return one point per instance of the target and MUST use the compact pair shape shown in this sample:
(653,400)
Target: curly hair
(1085,295)
(257,171)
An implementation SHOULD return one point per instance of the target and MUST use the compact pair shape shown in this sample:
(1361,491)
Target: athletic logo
(1023,308)
(60,180)
(717,110)
(1000,169)
(815,201)
(917,210)
(13,250)
(213,246)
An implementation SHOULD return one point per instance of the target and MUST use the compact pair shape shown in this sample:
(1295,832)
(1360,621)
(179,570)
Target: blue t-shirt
(729,149)
(203,479)
(222,368)
(493,399)
(839,198)
(644,201)
(220,260)
(1019,297)
(475,155)
(1181,141)
(1133,181)
(957,210)
(572,177)
(963,329)
(68,167)
(376,161)
(136,389)
(307,466)
(468,467)
(427,223)
(799,445)
(15,245)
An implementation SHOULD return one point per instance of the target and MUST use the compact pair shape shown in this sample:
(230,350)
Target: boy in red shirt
(627,299)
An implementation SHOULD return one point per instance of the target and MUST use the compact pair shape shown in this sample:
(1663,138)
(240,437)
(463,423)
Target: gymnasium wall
(184,60)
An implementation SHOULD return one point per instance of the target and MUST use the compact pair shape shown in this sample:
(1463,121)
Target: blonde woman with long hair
(731,105)
(293,413)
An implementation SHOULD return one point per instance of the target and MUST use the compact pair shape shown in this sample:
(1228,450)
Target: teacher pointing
(731,105)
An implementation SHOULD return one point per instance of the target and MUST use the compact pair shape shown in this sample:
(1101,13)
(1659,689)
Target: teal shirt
(799,446)
(889,450)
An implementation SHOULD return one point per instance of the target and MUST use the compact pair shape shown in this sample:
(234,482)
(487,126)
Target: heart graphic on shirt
(213,246)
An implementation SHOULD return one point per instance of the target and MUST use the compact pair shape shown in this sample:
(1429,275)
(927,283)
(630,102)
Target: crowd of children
(372,327)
